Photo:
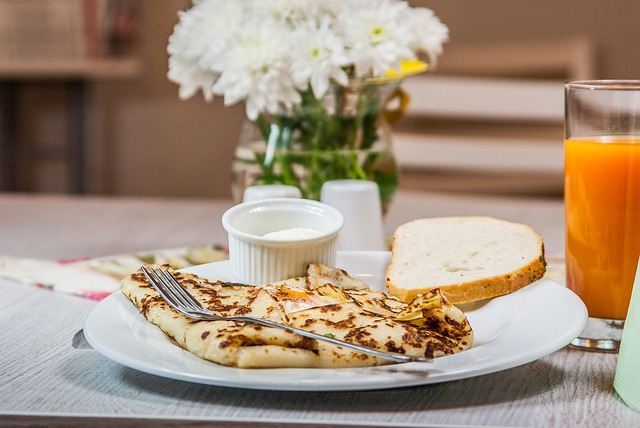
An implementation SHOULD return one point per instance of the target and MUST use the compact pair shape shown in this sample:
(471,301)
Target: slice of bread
(468,258)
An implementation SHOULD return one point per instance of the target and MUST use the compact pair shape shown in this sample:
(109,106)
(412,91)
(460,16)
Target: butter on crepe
(325,301)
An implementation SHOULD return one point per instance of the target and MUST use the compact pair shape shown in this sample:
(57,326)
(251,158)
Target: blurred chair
(490,120)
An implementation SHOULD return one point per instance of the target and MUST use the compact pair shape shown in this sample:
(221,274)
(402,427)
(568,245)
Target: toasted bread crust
(472,291)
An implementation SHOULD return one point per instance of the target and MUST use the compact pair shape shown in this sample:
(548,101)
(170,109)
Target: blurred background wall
(144,141)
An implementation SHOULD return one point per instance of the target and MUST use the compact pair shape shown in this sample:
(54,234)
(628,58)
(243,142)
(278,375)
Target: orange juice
(602,203)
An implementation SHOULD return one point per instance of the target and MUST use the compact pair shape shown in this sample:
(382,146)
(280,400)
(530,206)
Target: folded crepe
(326,301)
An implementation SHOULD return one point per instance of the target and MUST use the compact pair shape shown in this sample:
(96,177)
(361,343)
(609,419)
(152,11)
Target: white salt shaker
(359,203)
(269,191)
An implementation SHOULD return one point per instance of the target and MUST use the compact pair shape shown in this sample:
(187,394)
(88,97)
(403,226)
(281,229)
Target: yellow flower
(408,67)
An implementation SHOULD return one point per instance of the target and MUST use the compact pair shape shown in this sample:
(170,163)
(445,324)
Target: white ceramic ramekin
(256,260)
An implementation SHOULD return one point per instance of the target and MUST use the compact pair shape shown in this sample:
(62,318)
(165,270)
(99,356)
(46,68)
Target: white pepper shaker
(359,203)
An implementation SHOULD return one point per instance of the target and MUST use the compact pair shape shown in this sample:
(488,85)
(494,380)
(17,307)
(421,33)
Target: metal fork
(182,301)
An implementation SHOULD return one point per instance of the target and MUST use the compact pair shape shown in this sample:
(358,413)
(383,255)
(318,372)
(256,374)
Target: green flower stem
(315,143)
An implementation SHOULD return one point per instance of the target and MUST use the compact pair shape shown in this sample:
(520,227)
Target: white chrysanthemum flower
(429,32)
(220,22)
(285,10)
(295,12)
(191,77)
(332,8)
(204,24)
(318,57)
(200,31)
(255,67)
(266,51)
(377,34)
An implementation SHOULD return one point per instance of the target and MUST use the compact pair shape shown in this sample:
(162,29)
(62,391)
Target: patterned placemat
(96,278)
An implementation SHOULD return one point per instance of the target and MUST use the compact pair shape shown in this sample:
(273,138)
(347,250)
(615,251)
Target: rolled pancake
(428,326)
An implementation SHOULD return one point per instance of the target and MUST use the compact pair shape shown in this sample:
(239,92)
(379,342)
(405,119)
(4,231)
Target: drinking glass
(602,202)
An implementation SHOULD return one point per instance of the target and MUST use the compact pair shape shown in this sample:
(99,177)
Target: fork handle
(391,356)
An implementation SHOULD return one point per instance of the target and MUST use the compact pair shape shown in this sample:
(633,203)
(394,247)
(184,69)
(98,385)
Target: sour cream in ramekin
(292,234)
(275,239)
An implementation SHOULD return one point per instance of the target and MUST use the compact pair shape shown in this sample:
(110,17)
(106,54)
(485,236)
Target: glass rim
(604,85)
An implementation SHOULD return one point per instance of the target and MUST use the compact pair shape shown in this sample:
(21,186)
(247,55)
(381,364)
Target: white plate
(509,331)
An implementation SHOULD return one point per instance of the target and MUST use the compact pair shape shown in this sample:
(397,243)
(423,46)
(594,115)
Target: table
(45,381)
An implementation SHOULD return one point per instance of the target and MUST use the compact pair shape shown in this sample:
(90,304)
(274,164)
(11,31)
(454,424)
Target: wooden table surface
(45,381)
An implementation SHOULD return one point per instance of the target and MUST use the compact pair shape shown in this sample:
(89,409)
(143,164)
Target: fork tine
(181,291)
(195,304)
(154,281)
(175,292)
(165,292)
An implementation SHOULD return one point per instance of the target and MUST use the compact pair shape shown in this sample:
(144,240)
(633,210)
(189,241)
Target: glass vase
(344,135)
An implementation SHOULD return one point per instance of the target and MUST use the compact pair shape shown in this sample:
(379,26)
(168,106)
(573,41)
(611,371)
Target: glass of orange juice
(602,202)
